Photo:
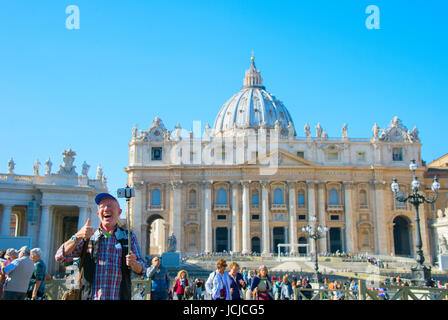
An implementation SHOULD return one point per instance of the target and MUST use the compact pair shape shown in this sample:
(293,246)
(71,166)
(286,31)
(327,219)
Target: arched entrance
(222,239)
(255,242)
(156,236)
(402,236)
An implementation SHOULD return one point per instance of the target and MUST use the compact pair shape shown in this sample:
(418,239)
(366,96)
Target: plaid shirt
(108,268)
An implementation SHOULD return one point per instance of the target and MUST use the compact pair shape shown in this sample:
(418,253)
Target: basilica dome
(251,108)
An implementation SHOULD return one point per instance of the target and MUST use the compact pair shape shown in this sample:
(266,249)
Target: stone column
(311,210)
(176,187)
(45,234)
(235,217)
(380,218)
(6,219)
(321,217)
(245,234)
(83,216)
(265,236)
(207,227)
(349,233)
(137,214)
(292,217)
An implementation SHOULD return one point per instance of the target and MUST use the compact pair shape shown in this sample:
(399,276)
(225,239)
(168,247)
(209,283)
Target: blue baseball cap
(102,196)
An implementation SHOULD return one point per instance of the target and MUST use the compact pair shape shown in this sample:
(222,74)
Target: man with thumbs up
(108,261)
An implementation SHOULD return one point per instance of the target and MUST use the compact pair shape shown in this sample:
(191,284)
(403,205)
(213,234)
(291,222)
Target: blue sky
(181,60)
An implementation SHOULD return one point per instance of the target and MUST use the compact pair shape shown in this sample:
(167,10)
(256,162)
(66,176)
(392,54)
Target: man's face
(34,257)
(109,212)
(156,261)
(12,257)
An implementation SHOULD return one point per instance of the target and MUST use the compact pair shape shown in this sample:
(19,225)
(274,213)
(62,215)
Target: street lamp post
(421,275)
(315,233)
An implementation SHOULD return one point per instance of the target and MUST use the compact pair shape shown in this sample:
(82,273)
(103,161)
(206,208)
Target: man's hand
(86,231)
(131,261)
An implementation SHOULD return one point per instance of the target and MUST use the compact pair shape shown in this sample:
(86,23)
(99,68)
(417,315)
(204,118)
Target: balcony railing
(278,207)
(221,207)
(335,207)
(155,207)
(192,206)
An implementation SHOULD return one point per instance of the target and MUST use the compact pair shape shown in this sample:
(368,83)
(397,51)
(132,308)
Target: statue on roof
(11,166)
(36,167)
(48,165)
(307,130)
(318,130)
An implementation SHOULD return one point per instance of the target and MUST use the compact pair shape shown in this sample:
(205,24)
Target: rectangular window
(302,217)
(397,154)
(361,156)
(301,199)
(255,217)
(156,153)
(333,156)
(301,154)
(334,217)
(222,217)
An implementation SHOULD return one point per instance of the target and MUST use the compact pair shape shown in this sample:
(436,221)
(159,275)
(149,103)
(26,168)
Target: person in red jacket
(180,284)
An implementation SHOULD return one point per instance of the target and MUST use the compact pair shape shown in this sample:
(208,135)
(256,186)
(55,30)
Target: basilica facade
(253,180)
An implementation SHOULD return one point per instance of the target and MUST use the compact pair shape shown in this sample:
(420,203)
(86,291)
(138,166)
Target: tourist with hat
(108,262)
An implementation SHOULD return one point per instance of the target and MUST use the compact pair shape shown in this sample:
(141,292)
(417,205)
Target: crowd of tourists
(235,283)
(22,274)
(109,256)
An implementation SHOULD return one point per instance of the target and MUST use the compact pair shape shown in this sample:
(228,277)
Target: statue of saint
(318,131)
(99,173)
(307,131)
(48,165)
(85,169)
(36,167)
(290,129)
(11,166)
(172,243)
(344,131)
(134,131)
(207,132)
(375,130)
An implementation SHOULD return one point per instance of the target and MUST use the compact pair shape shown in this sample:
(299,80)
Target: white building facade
(49,207)
(252,181)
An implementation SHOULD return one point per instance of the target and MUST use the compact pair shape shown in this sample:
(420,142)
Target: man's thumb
(87,222)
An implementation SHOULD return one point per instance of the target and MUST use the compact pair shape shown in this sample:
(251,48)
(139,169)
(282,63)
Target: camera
(126,193)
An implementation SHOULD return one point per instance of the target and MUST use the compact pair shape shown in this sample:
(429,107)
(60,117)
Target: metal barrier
(54,289)
(141,290)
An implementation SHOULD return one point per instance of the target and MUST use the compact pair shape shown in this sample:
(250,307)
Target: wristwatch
(74,239)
